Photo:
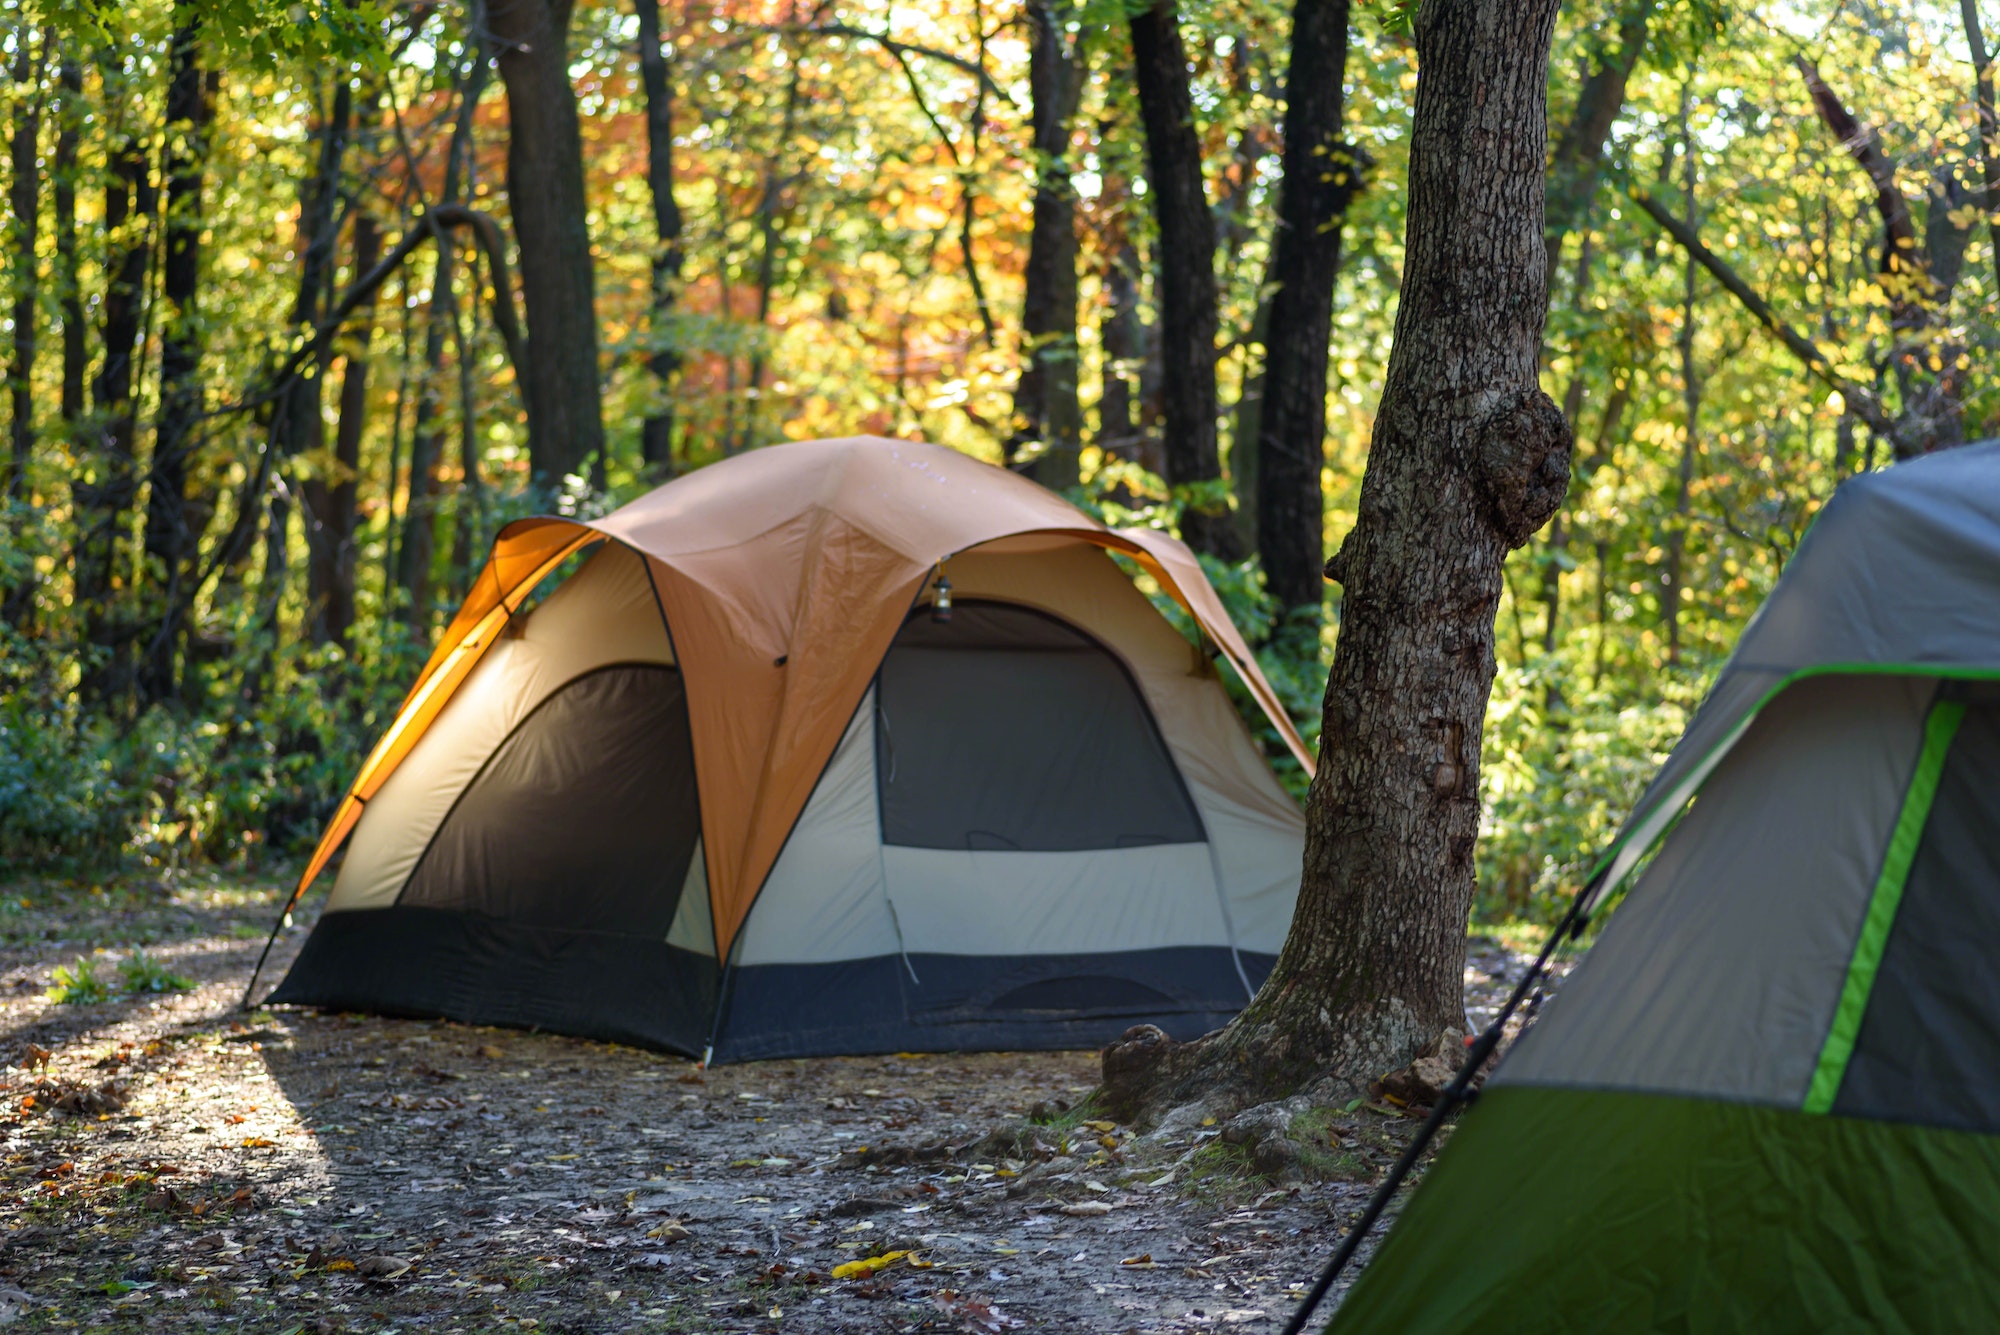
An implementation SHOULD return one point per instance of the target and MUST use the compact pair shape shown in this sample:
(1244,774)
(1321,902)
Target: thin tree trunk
(170,536)
(1579,151)
(392,524)
(109,485)
(768,221)
(656,432)
(333,551)
(75,347)
(1124,346)
(1320,178)
(1469,457)
(469,533)
(546,197)
(1989,128)
(1048,419)
(419,544)
(24,197)
(298,426)
(1185,277)
(1675,575)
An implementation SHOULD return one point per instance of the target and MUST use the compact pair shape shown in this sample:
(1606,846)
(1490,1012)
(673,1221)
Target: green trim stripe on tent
(1939,729)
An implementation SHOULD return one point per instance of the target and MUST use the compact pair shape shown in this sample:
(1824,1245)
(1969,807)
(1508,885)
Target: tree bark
(1989,128)
(297,427)
(656,432)
(69,297)
(1124,347)
(333,555)
(1048,419)
(1468,459)
(170,536)
(24,197)
(1185,277)
(769,238)
(1320,177)
(546,196)
(108,484)
(1675,575)
(419,537)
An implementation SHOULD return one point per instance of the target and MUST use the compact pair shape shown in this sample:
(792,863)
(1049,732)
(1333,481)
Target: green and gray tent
(1769,1097)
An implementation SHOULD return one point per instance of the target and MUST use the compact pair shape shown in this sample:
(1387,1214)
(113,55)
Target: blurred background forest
(282,350)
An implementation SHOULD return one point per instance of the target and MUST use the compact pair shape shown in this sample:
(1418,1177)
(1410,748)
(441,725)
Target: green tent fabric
(1768,1099)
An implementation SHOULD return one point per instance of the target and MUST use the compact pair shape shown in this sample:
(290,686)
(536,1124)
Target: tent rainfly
(841,746)
(1768,1099)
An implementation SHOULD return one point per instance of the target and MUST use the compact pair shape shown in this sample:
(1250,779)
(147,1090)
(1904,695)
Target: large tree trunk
(1469,458)
(1320,178)
(1185,276)
(656,432)
(545,194)
(1048,419)
(170,536)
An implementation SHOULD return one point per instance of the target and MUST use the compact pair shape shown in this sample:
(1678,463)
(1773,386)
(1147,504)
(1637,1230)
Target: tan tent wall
(604,614)
(784,574)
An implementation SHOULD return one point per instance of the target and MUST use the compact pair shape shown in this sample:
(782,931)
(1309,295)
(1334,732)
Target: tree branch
(432,224)
(1899,233)
(1862,400)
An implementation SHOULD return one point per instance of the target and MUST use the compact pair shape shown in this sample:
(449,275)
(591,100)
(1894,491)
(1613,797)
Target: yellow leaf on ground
(871,1265)
(258,1143)
(1102,1126)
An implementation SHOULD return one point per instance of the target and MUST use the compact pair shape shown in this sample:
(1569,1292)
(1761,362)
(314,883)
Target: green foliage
(79,984)
(144,974)
(191,781)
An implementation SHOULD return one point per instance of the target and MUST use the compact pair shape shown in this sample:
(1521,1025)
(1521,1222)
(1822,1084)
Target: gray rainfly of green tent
(1768,1099)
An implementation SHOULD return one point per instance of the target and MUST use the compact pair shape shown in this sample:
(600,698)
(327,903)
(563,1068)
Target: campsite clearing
(292,1171)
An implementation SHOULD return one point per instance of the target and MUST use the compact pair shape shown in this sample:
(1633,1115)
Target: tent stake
(1454,1094)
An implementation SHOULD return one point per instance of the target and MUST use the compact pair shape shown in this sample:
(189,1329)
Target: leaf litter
(168,1164)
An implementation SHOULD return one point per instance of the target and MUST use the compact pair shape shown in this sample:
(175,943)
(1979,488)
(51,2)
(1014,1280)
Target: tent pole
(1455,1094)
(284,918)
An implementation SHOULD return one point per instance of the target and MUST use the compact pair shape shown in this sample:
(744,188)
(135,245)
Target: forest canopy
(303,301)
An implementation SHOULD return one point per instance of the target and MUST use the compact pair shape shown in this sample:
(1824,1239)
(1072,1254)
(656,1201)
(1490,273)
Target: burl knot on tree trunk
(1522,462)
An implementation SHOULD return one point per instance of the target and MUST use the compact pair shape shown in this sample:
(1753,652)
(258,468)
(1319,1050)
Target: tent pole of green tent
(1455,1094)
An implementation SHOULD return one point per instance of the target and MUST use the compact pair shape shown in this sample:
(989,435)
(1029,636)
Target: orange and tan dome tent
(734,647)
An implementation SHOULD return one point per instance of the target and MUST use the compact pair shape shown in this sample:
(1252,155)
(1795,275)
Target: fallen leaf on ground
(671,1231)
(1088,1208)
(381,1265)
(864,1268)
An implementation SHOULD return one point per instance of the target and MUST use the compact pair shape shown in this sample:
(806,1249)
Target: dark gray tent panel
(585,819)
(1006,728)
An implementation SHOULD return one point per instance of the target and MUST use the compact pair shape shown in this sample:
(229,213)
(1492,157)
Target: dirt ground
(168,1163)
